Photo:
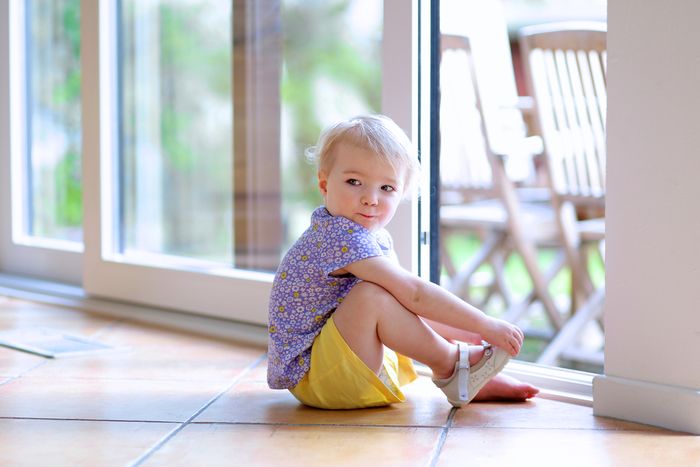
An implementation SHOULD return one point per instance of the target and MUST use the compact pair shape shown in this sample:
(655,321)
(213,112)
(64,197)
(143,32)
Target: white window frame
(218,291)
(19,253)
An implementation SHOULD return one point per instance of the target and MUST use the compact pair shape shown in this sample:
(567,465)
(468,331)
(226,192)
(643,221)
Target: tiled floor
(171,398)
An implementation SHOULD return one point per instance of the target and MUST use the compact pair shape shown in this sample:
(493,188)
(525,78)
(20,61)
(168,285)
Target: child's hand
(503,334)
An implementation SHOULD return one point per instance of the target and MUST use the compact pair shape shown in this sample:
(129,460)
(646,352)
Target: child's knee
(371,292)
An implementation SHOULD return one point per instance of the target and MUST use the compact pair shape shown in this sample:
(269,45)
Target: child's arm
(434,303)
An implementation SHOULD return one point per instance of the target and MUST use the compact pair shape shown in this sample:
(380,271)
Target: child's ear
(322,182)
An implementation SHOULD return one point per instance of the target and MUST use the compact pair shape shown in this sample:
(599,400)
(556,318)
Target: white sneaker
(465,382)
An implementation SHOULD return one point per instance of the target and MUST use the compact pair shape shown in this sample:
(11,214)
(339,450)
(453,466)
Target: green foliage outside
(194,73)
(55,89)
(319,42)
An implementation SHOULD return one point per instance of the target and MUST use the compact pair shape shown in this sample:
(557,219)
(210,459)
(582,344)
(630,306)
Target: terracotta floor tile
(537,413)
(254,402)
(80,399)
(223,364)
(76,443)
(14,363)
(141,335)
(167,376)
(19,314)
(571,448)
(251,445)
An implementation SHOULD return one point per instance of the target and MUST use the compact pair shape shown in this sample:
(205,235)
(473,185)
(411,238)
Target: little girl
(346,319)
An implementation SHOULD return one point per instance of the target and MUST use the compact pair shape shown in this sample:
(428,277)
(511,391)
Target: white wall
(652,315)
(397,89)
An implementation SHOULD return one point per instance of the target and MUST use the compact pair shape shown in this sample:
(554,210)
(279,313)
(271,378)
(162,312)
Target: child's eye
(388,188)
(353,181)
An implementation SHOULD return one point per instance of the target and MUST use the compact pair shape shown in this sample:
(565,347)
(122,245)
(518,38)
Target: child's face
(361,187)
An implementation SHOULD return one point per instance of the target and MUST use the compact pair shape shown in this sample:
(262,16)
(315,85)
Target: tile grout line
(321,425)
(105,420)
(8,380)
(152,450)
(116,378)
(330,425)
(20,375)
(443,437)
(419,427)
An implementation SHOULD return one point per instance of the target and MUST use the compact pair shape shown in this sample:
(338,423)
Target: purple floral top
(304,294)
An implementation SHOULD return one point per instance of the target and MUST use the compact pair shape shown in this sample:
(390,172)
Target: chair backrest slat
(464,163)
(574,128)
(584,122)
(566,65)
(593,104)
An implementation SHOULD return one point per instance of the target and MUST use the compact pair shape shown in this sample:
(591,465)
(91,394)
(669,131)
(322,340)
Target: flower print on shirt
(304,294)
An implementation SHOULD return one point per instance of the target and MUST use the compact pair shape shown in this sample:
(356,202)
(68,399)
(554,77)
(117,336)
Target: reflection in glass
(216,110)
(176,129)
(484,247)
(53,120)
(331,71)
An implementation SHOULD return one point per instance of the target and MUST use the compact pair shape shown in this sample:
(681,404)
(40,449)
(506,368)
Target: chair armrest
(526,104)
(527,148)
(517,156)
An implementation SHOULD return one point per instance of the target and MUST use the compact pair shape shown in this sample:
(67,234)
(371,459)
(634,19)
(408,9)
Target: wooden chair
(478,197)
(565,65)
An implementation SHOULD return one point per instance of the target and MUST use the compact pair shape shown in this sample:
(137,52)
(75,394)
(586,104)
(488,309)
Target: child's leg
(370,317)
(453,334)
(501,387)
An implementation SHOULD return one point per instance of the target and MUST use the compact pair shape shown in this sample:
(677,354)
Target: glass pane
(513,270)
(212,141)
(176,127)
(53,126)
(332,70)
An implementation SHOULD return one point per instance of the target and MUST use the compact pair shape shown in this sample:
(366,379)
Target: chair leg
(524,246)
(582,286)
(540,286)
(515,312)
(572,329)
(445,257)
(460,280)
(499,283)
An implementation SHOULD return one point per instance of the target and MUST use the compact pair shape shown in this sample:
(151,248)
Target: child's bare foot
(506,388)
(476,353)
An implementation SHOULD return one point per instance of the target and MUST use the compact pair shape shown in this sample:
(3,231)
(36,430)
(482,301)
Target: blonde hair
(376,133)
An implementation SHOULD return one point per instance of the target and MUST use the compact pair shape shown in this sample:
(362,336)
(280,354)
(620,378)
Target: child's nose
(369,199)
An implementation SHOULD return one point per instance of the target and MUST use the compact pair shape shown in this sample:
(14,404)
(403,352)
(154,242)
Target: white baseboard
(74,297)
(672,407)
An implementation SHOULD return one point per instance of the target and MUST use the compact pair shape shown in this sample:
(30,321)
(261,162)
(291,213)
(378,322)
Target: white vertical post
(652,312)
(398,102)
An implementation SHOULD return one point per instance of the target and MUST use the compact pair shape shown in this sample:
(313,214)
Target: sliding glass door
(153,152)
(41,177)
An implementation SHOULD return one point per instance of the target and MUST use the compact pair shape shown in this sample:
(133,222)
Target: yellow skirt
(338,379)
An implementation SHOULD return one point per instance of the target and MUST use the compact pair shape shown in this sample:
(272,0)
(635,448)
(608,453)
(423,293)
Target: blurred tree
(55,119)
